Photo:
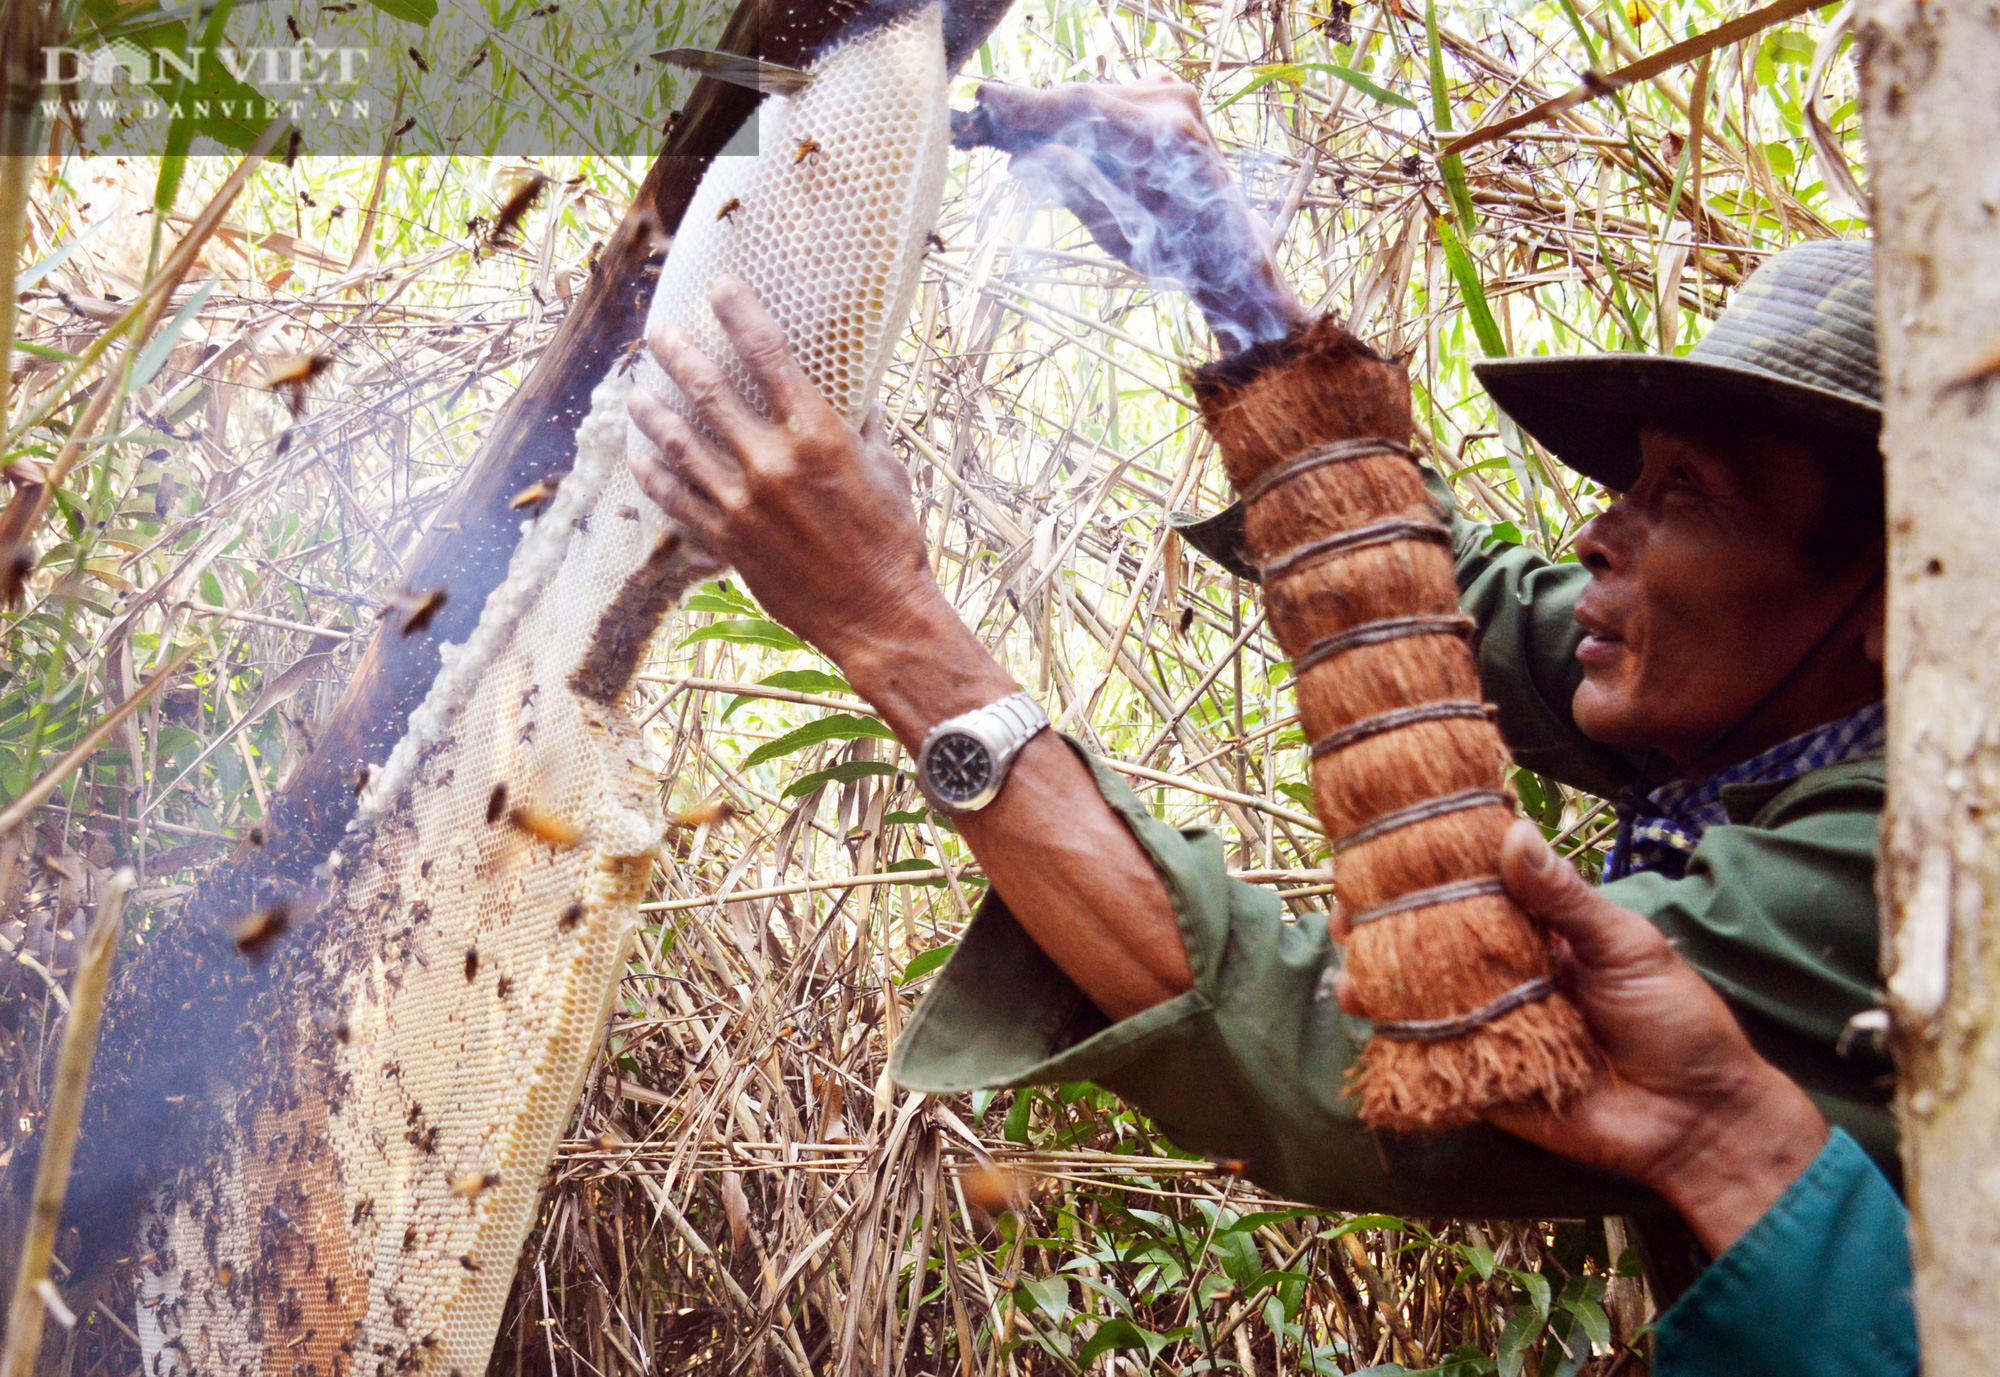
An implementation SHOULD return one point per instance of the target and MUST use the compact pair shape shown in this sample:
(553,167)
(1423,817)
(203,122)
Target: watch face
(959,766)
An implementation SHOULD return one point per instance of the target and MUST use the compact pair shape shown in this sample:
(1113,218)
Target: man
(1713,659)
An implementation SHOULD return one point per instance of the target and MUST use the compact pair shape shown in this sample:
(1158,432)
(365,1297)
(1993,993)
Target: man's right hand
(1683,1103)
(1139,167)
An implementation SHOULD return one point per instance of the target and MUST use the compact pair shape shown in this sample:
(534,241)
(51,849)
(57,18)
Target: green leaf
(1523,1327)
(32,276)
(1015,1130)
(1294,73)
(797,680)
(1591,1316)
(746,631)
(1359,1222)
(925,962)
(409,11)
(1452,168)
(1466,273)
(846,772)
(839,726)
(1050,1295)
(161,346)
(806,681)
(1537,1287)
(1479,1259)
(720,597)
(1120,1335)
(918,863)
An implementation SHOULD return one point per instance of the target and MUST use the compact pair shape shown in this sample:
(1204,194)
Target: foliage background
(742,1189)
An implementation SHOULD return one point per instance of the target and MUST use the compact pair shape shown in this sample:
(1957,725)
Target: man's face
(1700,600)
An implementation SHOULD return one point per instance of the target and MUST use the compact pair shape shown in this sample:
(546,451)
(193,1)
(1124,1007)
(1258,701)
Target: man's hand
(817,521)
(1684,1103)
(815,517)
(1139,167)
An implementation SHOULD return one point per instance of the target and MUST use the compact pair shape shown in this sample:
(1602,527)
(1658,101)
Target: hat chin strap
(1634,801)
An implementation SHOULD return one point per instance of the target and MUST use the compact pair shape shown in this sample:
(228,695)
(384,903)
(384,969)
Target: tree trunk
(1931,75)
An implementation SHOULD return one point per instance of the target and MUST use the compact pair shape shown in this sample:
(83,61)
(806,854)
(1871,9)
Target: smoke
(1139,169)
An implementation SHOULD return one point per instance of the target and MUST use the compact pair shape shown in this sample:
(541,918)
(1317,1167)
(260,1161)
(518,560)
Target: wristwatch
(964,761)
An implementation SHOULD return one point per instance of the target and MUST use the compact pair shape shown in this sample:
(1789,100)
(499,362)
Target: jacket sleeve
(1250,1064)
(1778,912)
(1819,1287)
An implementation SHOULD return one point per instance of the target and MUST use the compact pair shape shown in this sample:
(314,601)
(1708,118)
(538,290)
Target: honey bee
(729,208)
(257,932)
(524,195)
(465,1261)
(496,802)
(471,964)
(545,827)
(711,812)
(225,1273)
(807,148)
(291,375)
(993,1190)
(570,917)
(417,608)
(504,986)
(528,694)
(472,1185)
(297,140)
(537,494)
(16,563)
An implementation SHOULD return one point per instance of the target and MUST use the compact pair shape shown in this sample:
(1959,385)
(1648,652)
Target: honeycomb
(361,1201)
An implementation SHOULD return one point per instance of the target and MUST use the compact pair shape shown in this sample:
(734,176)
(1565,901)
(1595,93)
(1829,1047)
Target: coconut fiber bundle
(1408,768)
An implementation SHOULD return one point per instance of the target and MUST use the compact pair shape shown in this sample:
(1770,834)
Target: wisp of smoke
(1143,175)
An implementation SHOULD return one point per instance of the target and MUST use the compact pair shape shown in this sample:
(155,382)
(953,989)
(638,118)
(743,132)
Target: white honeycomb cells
(364,1217)
(828,223)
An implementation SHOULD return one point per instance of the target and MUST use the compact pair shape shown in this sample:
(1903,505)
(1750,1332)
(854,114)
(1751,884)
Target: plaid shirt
(1664,836)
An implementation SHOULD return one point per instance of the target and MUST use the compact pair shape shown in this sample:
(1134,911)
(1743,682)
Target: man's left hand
(815,516)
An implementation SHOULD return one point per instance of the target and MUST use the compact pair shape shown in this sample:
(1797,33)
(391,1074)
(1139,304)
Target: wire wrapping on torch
(1445,1029)
(1434,897)
(1397,718)
(1422,812)
(1360,538)
(1387,629)
(1337,452)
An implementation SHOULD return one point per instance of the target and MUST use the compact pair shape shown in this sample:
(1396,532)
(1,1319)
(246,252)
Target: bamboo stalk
(79,1046)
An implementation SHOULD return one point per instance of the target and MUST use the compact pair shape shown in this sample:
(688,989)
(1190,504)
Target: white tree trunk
(1931,78)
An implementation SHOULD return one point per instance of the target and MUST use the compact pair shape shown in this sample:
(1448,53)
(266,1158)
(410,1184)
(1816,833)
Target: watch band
(1003,727)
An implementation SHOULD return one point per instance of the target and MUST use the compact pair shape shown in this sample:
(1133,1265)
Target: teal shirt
(1818,1287)
(1777,910)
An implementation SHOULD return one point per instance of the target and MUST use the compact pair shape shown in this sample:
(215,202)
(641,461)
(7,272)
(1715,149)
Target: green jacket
(1777,909)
